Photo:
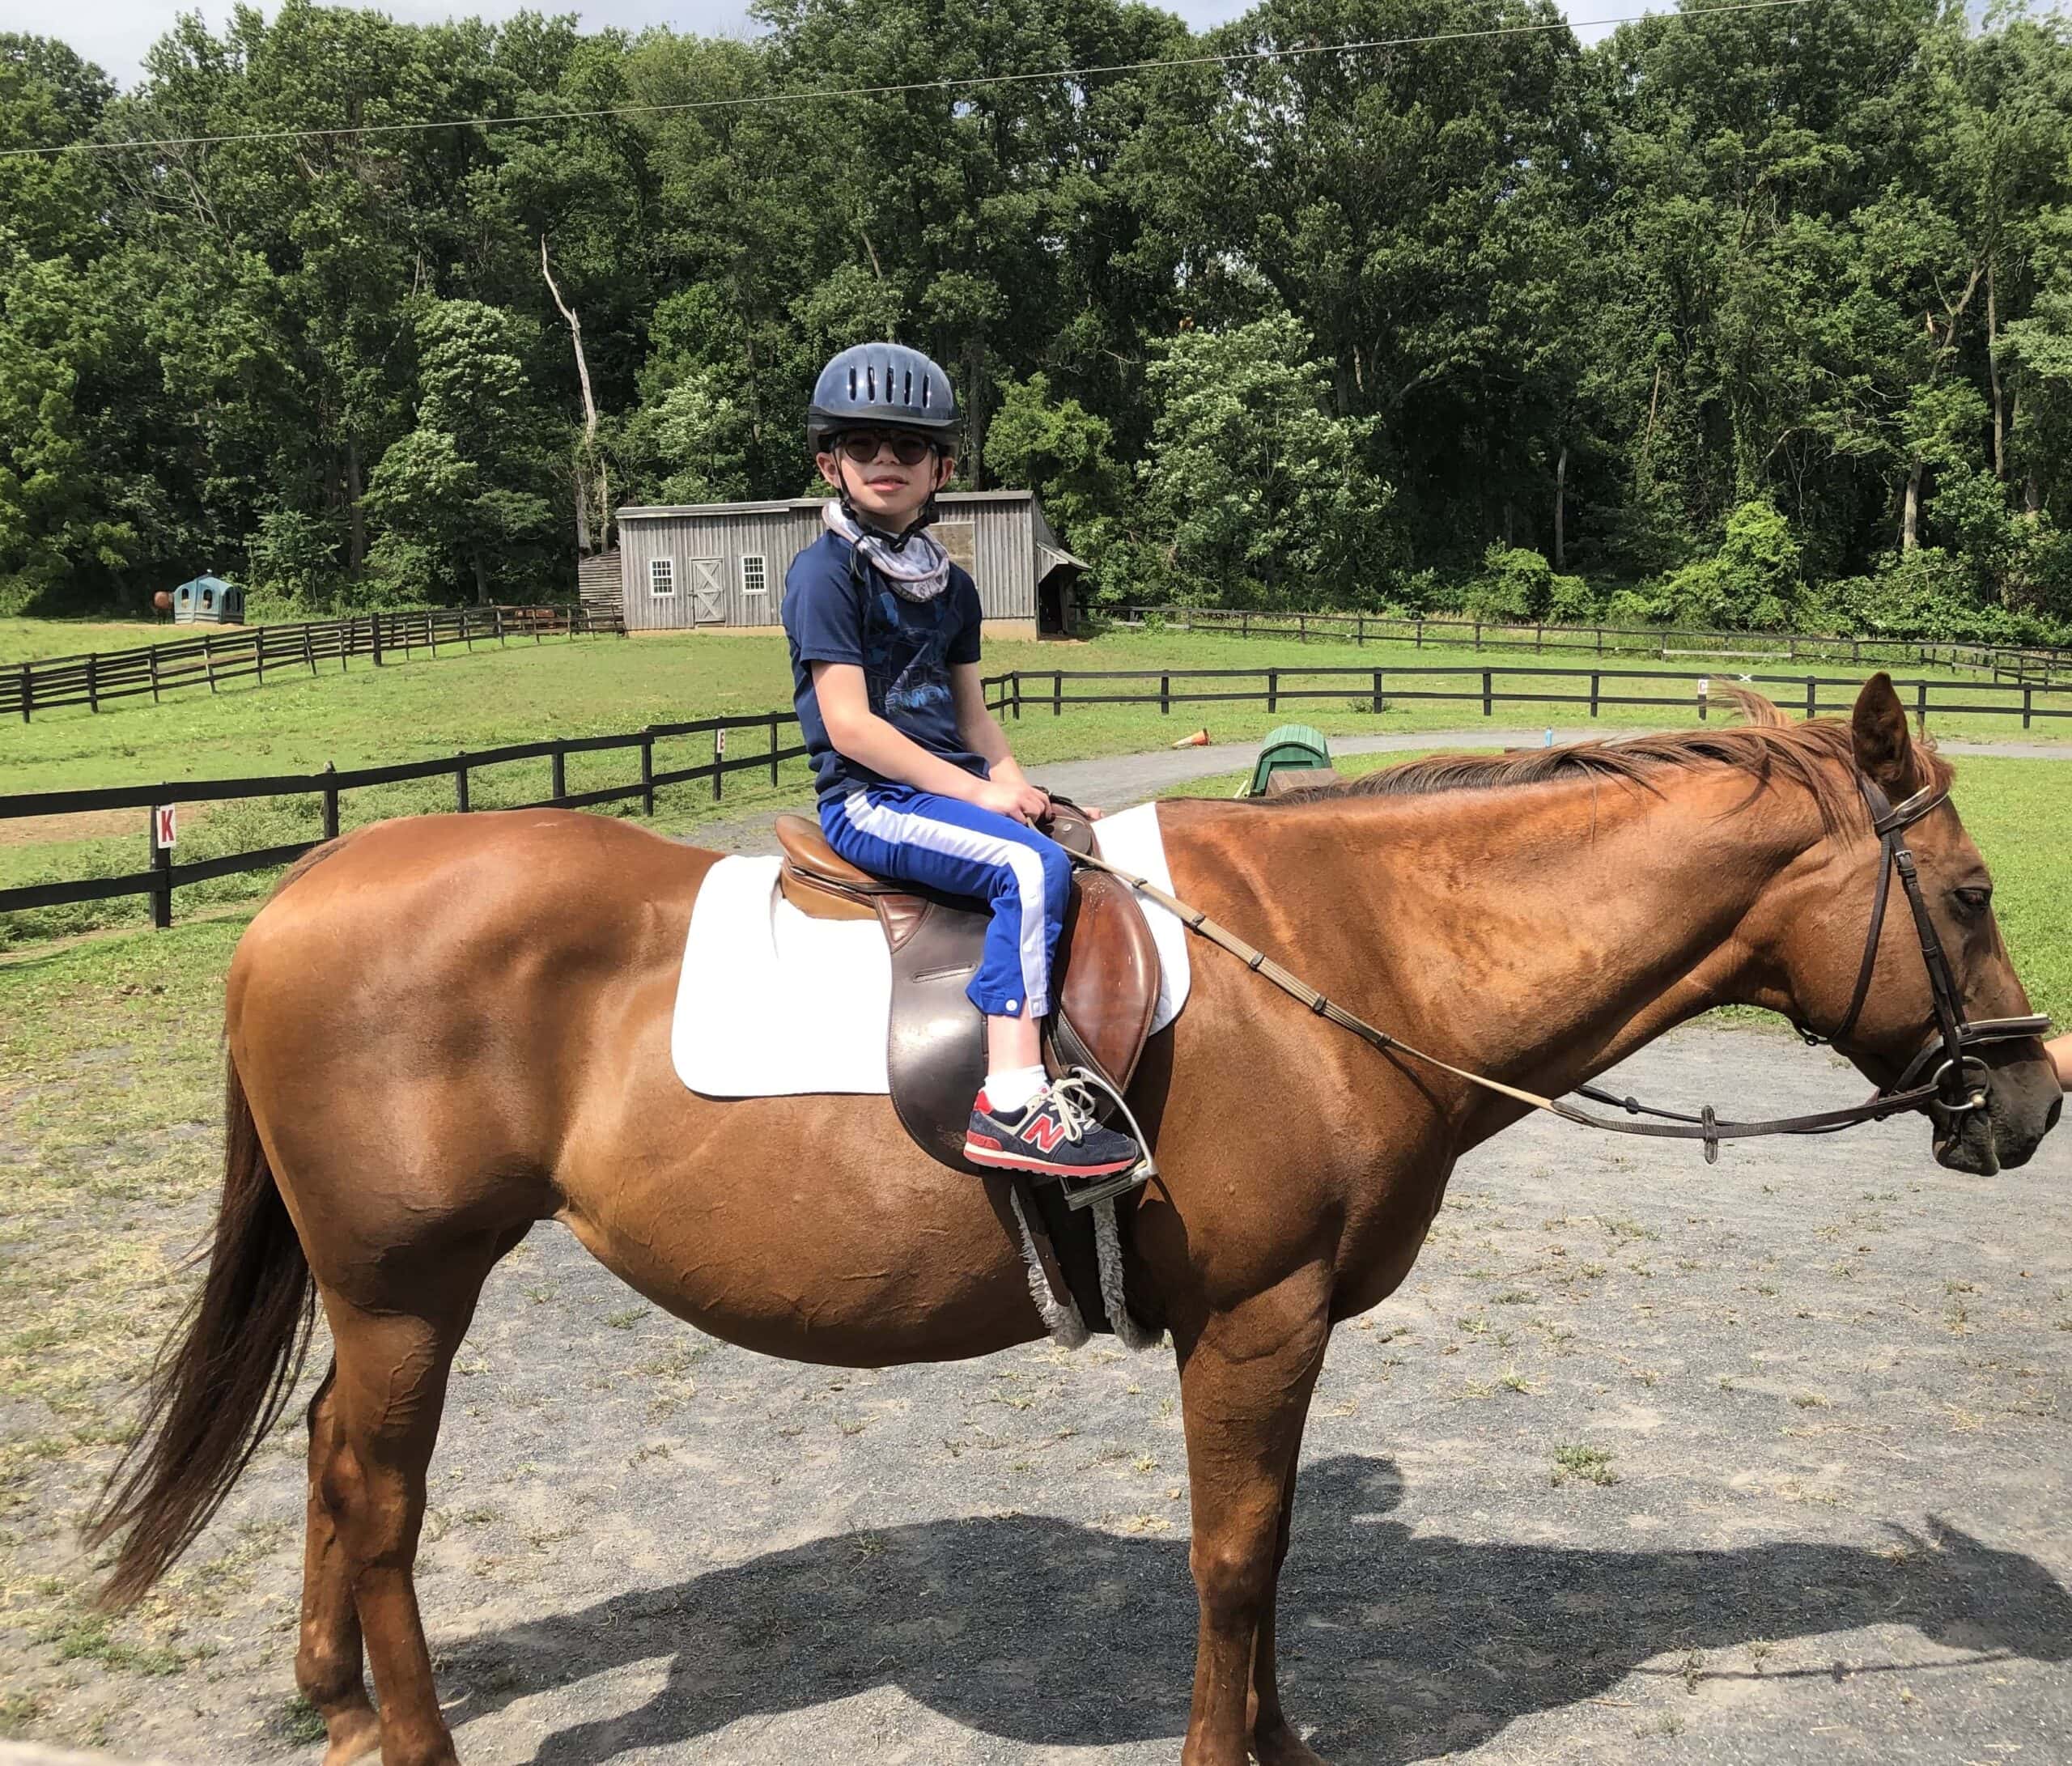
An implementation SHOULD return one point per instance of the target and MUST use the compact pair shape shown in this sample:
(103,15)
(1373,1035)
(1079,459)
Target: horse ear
(1878,732)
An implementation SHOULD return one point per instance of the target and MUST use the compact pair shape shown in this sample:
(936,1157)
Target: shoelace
(1074,1103)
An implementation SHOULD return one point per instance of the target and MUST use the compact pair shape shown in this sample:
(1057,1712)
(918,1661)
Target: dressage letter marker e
(165,826)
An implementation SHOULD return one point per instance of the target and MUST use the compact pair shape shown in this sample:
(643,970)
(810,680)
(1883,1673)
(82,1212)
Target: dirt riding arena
(1648,1461)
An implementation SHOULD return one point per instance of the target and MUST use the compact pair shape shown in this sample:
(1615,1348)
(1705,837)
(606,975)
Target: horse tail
(222,1378)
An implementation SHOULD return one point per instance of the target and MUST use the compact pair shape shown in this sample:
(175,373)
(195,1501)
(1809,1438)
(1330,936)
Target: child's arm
(867,739)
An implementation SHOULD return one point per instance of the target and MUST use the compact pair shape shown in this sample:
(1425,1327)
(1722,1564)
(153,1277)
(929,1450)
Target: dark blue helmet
(881,385)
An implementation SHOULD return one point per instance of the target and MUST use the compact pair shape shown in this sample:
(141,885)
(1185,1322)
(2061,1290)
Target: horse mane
(1817,755)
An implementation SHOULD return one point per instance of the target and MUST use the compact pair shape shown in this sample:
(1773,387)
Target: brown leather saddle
(1107,983)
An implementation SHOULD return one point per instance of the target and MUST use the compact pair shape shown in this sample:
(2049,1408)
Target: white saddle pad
(771,1003)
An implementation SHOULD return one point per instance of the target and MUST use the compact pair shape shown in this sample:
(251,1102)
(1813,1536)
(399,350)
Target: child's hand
(1020,799)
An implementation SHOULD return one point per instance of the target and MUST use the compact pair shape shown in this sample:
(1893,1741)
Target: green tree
(1254,491)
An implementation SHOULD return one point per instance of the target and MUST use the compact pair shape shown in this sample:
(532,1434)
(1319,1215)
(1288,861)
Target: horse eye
(1974,901)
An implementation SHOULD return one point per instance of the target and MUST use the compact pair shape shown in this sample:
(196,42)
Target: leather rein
(1954,1084)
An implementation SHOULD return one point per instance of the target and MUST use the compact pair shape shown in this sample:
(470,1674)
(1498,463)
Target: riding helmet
(883,383)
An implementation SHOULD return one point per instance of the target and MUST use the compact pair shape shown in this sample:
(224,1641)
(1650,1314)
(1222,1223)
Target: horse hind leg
(368,1464)
(329,1655)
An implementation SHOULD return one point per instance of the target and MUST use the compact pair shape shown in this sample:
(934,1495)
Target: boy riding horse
(915,781)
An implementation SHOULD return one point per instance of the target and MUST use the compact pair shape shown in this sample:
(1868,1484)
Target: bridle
(1944,1078)
(1950,1086)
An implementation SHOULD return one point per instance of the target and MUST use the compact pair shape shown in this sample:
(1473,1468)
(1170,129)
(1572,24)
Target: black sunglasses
(862,446)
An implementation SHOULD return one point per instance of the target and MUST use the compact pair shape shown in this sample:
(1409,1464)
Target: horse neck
(1540,934)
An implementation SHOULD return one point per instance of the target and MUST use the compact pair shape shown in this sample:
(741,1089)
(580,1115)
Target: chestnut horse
(443,1030)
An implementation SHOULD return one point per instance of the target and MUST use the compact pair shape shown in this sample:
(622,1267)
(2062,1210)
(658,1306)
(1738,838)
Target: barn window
(661,577)
(755,574)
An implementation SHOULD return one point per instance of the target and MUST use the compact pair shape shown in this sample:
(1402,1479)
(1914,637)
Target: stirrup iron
(1085,1195)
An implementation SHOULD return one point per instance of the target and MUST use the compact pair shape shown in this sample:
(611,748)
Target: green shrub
(1748,585)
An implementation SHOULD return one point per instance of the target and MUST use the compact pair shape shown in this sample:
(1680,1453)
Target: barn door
(708,594)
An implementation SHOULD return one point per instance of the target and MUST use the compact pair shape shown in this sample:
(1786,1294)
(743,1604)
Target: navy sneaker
(1054,1136)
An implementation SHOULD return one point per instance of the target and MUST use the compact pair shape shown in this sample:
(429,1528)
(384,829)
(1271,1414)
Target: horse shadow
(1400,1646)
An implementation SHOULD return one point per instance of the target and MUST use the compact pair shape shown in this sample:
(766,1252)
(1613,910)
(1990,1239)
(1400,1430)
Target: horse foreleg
(392,1370)
(1245,1385)
(328,1658)
(1274,1740)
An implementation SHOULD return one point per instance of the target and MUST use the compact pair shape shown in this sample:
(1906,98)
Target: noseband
(1956,1082)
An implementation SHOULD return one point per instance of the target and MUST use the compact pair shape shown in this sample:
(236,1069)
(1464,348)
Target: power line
(812,96)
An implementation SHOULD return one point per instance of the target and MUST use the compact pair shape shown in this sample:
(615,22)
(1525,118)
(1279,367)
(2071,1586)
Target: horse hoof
(1282,1746)
(355,1736)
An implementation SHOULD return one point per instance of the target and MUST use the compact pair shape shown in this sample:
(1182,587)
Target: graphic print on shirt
(904,668)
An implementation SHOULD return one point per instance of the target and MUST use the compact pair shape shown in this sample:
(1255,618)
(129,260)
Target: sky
(114,34)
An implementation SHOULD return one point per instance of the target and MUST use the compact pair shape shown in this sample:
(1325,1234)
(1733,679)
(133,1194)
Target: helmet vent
(870,384)
(925,390)
(907,396)
(852,383)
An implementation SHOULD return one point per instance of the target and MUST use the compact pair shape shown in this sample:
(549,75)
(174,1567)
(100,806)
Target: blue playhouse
(208,600)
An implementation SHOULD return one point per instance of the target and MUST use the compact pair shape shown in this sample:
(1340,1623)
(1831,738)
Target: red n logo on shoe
(1044,1130)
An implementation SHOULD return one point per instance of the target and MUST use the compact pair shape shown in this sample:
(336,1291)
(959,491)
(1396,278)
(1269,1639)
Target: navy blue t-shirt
(837,608)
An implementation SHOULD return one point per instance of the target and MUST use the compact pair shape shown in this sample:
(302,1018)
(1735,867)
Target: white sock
(1010,1090)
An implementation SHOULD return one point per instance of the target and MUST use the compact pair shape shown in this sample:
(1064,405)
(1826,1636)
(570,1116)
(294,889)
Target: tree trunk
(1992,369)
(482,581)
(1910,510)
(355,516)
(590,476)
(2032,495)
(1560,497)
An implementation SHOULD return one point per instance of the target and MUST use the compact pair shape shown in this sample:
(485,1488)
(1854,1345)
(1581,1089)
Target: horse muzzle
(2004,1110)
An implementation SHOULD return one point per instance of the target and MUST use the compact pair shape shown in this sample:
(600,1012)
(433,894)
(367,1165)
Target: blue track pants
(946,844)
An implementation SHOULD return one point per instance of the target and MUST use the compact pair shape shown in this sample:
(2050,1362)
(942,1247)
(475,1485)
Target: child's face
(887,494)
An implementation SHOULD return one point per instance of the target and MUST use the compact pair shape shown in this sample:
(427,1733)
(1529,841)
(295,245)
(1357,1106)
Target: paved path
(1117,781)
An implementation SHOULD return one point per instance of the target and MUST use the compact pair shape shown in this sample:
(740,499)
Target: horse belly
(808,1227)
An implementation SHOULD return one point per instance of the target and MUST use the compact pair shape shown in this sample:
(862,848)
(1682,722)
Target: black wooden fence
(165,875)
(1023,692)
(2041,664)
(1490,687)
(215,656)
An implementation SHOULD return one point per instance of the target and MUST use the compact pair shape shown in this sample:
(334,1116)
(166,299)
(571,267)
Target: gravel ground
(1759,1462)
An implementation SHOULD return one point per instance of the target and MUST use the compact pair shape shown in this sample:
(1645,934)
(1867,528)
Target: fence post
(560,772)
(308,650)
(209,657)
(536,635)
(28,692)
(499,622)
(1487,702)
(1705,697)
(460,782)
(1018,695)
(330,801)
(1856,652)
(259,652)
(1596,678)
(1538,639)
(374,628)
(153,658)
(1600,640)
(773,747)
(2028,705)
(1377,702)
(1360,628)
(1244,624)
(1477,634)
(1302,628)
(1272,691)
(719,757)
(468,629)
(1421,631)
(1164,694)
(93,683)
(647,772)
(1920,706)
(1811,701)
(162,872)
(1058,694)
(431,634)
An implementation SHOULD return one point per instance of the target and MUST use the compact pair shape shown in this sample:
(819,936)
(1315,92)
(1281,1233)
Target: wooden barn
(723,564)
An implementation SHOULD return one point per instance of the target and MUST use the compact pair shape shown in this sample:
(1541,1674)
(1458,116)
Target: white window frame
(761,561)
(661,570)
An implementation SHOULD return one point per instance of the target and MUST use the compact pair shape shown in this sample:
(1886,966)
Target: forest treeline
(1758,317)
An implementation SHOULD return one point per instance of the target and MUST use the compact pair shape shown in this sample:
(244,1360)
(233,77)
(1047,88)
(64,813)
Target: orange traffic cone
(1199,739)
